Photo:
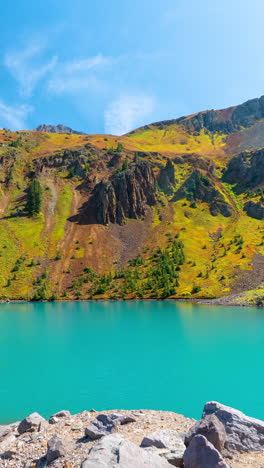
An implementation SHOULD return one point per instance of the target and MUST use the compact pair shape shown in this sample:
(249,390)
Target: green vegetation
(34,198)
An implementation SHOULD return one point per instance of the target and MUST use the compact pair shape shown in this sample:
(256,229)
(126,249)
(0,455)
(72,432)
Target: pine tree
(34,198)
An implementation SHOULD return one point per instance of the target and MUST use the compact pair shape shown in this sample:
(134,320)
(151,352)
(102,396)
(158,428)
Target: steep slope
(174,209)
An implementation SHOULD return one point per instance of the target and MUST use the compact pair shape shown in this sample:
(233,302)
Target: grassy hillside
(178,249)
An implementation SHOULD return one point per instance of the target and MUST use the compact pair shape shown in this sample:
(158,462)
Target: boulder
(115,451)
(57,416)
(105,423)
(30,424)
(7,429)
(169,440)
(200,453)
(244,434)
(56,448)
(211,428)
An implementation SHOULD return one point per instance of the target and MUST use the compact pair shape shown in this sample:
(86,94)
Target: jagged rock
(125,195)
(212,429)
(199,187)
(169,440)
(246,170)
(57,129)
(56,448)
(200,453)
(31,423)
(254,210)
(244,434)
(105,423)
(225,120)
(74,160)
(166,178)
(113,451)
(57,416)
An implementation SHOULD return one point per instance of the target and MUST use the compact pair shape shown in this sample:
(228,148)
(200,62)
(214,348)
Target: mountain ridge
(60,128)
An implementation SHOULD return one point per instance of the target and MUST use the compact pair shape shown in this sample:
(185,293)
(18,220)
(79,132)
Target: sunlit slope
(182,246)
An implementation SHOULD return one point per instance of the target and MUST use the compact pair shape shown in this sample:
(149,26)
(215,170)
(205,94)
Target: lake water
(129,355)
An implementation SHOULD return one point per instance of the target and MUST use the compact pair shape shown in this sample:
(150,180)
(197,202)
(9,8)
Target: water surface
(146,354)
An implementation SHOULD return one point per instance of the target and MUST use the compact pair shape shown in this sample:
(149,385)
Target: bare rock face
(200,454)
(31,423)
(246,170)
(199,187)
(211,428)
(244,434)
(254,210)
(57,129)
(166,178)
(125,195)
(115,451)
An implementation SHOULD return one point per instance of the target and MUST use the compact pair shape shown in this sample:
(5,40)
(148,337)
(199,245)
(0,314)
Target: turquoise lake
(129,355)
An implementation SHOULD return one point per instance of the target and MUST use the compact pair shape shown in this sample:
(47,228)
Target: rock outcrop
(244,434)
(254,210)
(199,187)
(246,170)
(166,179)
(56,129)
(125,195)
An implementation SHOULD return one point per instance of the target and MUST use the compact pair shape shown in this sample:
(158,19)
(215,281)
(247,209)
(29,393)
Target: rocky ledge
(223,438)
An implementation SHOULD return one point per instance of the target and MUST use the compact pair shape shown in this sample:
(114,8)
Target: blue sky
(113,65)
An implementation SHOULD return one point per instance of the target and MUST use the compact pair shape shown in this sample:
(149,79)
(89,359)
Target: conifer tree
(34,198)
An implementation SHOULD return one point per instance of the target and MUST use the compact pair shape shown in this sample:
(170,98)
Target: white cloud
(14,117)
(127,112)
(24,68)
(79,75)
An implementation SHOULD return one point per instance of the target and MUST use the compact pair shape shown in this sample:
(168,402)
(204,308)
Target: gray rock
(30,424)
(57,416)
(7,429)
(105,423)
(115,451)
(6,442)
(56,448)
(169,440)
(211,428)
(244,434)
(201,454)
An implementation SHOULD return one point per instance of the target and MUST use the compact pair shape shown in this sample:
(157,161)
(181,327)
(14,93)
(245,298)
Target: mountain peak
(57,129)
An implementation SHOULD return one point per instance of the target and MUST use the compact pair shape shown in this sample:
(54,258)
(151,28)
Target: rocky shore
(223,438)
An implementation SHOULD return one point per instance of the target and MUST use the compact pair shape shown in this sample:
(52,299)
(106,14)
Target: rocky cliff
(198,187)
(125,195)
(246,170)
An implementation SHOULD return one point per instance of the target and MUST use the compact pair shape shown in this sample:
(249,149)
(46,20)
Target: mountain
(56,129)
(174,209)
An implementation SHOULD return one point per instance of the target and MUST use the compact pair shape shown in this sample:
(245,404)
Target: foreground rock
(56,448)
(244,434)
(212,429)
(115,451)
(171,441)
(30,424)
(202,454)
(104,424)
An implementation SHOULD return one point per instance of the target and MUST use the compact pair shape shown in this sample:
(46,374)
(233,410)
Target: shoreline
(149,438)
